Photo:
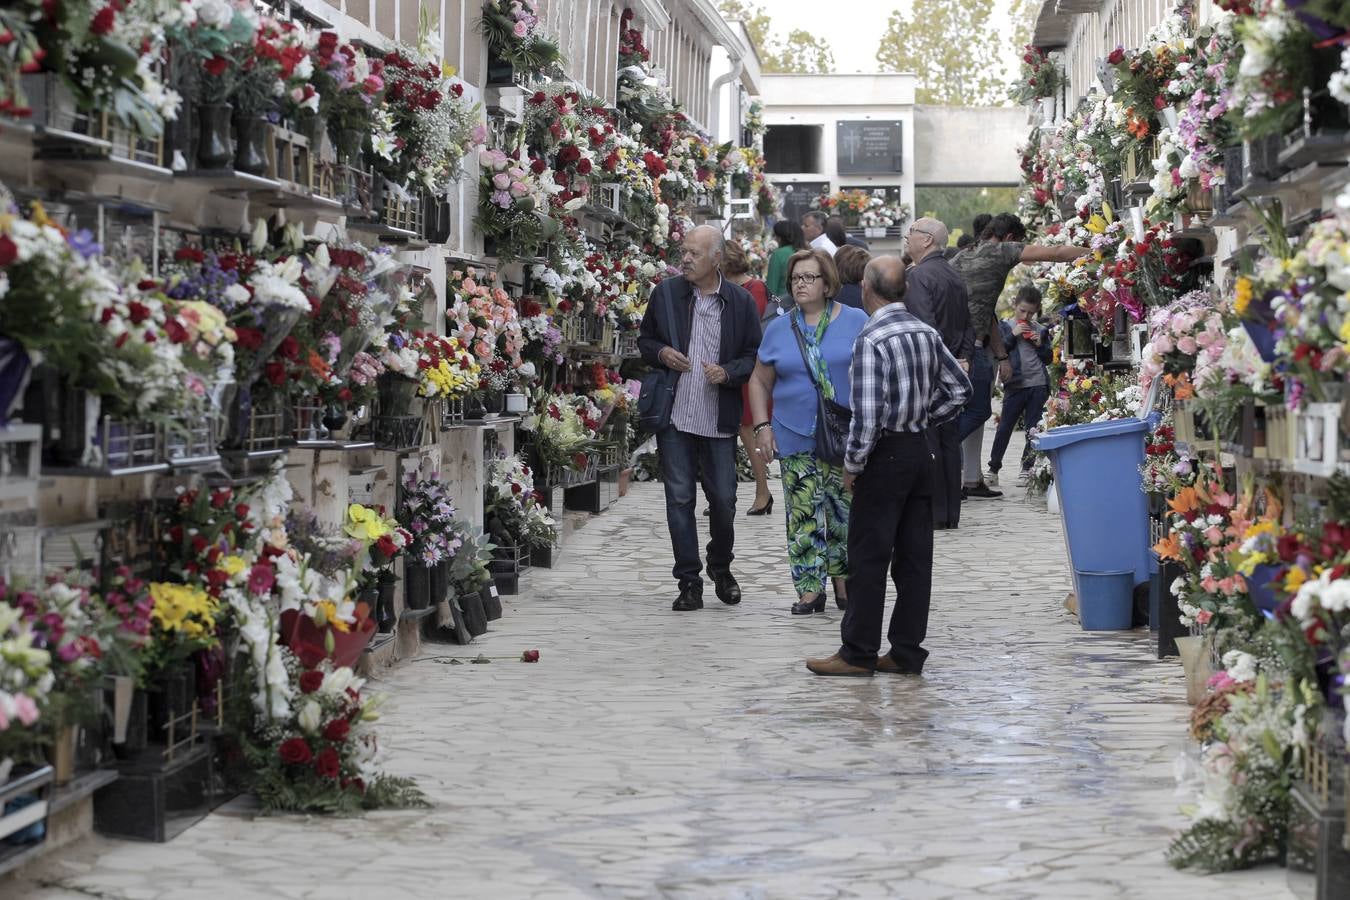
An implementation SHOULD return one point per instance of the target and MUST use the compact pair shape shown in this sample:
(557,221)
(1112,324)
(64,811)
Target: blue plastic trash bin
(1105,600)
(1105,513)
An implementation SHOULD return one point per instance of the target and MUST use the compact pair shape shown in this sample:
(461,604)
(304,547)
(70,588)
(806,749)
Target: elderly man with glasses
(937,296)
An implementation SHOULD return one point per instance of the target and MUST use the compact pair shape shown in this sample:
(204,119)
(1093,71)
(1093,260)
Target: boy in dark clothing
(1025,393)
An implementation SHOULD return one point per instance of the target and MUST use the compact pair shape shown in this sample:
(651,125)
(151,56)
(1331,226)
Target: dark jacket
(936,294)
(1044,351)
(673,302)
(850,295)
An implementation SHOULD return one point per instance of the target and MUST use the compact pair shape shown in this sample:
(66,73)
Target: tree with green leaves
(801,52)
(948,45)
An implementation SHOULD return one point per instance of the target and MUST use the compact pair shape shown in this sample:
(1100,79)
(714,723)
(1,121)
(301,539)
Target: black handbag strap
(806,359)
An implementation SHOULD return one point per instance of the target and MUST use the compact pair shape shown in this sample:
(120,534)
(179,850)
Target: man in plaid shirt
(904,380)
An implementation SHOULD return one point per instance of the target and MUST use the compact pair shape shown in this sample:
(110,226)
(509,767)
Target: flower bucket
(300,631)
(1261,588)
(1194,653)
(1105,600)
(417,585)
(14,366)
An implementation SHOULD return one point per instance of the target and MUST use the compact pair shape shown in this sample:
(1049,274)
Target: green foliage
(956,207)
(946,43)
(800,53)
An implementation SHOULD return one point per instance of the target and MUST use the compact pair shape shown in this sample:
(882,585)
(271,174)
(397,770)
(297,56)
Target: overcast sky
(852,28)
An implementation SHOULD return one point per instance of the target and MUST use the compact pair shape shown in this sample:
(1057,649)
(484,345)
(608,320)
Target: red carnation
(310,681)
(327,765)
(584,167)
(530,656)
(537,166)
(290,348)
(337,730)
(216,66)
(295,751)
(248,338)
(1116,56)
(103,21)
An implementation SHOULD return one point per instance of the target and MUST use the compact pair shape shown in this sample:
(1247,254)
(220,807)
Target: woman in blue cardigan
(813,489)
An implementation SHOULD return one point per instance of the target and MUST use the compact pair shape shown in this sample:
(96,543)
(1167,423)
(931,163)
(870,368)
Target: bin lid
(1056,438)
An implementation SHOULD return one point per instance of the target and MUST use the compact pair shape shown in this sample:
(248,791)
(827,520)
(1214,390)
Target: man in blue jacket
(706,329)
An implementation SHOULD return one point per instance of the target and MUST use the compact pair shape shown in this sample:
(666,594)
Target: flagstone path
(656,754)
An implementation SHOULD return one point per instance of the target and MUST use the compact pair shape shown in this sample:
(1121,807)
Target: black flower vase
(475,616)
(213,135)
(492,603)
(334,417)
(474,410)
(417,587)
(251,133)
(384,606)
(440,581)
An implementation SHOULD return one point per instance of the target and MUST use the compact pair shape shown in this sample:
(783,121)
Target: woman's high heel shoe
(806,608)
(761,510)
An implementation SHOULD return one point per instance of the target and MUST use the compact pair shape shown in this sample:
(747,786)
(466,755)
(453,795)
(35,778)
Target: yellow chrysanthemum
(1294,579)
(233,565)
(365,524)
(1242,297)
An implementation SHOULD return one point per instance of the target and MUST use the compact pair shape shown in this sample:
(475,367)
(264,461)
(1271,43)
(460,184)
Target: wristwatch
(760,427)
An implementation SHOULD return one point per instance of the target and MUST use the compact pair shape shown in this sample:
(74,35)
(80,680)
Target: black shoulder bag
(833,420)
(657,396)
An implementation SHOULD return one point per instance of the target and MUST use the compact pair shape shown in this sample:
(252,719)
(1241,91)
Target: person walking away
(936,295)
(985,268)
(806,351)
(736,269)
(1025,393)
(790,239)
(813,226)
(904,381)
(839,236)
(850,261)
(704,328)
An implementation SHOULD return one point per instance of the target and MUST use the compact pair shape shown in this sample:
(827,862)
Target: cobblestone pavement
(656,754)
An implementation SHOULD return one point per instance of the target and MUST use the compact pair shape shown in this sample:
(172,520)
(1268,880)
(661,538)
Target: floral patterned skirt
(817,521)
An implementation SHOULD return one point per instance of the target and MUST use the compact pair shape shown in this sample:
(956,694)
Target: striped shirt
(695,407)
(904,379)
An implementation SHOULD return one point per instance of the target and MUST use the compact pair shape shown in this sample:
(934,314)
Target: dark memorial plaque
(868,148)
(797,196)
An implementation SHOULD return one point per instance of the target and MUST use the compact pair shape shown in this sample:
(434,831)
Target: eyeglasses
(807,278)
(923,231)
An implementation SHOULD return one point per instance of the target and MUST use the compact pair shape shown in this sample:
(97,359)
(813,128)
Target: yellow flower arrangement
(1242,297)
(365,524)
(183,610)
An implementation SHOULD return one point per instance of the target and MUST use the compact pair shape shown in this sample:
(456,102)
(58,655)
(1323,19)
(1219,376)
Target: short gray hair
(885,275)
(717,242)
(816,216)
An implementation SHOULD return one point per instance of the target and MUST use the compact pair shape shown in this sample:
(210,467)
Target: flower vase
(61,754)
(440,581)
(214,150)
(493,402)
(1194,653)
(14,366)
(474,409)
(384,607)
(417,586)
(396,394)
(334,417)
(251,134)
(517,403)
(475,615)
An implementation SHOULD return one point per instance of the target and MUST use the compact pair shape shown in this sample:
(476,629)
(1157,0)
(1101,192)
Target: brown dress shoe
(837,665)
(885,663)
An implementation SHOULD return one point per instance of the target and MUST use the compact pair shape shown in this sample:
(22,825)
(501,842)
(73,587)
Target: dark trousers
(1027,403)
(980,406)
(683,456)
(890,526)
(944,443)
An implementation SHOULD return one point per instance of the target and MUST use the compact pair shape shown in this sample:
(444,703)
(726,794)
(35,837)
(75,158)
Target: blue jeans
(683,455)
(979,408)
(1026,403)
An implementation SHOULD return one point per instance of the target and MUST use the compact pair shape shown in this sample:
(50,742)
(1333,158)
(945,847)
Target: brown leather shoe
(837,665)
(885,663)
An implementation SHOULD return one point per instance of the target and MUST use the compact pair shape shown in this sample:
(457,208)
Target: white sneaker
(1023,477)
(991,479)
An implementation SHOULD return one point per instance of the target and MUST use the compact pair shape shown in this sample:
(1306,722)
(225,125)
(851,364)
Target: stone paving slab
(655,754)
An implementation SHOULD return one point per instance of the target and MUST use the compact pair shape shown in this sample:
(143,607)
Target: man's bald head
(883,283)
(926,236)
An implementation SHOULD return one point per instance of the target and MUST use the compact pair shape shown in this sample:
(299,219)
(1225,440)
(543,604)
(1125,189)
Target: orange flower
(1181,386)
(319,366)
(1169,547)
(1188,499)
